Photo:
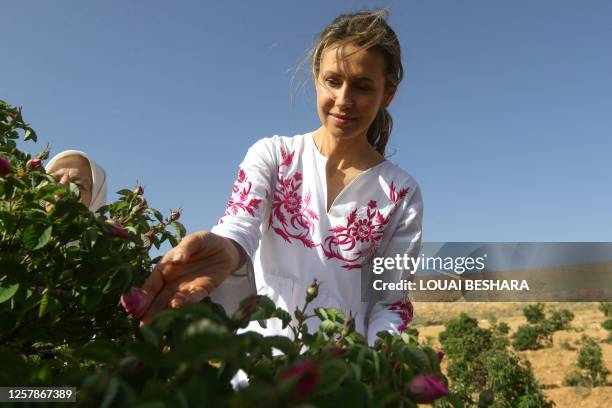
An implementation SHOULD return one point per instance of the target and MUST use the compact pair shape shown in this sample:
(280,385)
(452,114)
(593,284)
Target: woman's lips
(341,120)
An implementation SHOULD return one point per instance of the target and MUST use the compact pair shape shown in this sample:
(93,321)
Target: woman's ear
(388,97)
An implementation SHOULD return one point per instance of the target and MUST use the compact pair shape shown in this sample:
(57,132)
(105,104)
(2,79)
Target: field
(550,365)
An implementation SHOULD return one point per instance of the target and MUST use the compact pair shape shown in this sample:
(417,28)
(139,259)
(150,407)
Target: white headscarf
(98,178)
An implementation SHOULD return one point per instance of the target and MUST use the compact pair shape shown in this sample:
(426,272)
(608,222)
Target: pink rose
(5,167)
(134,302)
(119,230)
(175,215)
(427,388)
(34,164)
(306,374)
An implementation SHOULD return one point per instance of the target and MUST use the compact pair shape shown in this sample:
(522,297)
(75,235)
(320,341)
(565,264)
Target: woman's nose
(344,97)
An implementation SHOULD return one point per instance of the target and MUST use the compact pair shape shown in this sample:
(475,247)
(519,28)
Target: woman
(319,205)
(74,166)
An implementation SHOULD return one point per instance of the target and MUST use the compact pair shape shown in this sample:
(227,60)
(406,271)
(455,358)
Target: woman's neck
(345,154)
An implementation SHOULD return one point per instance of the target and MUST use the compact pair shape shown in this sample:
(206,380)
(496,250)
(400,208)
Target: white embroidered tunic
(277,213)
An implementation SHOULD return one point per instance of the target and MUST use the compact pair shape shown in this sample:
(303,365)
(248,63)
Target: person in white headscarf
(74,166)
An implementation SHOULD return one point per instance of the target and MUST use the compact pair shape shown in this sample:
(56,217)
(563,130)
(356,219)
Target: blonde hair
(365,30)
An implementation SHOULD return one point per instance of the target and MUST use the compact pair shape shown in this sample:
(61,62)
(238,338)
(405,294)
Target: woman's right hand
(189,272)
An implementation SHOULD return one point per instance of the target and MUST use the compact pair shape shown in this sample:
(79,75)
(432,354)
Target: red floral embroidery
(406,312)
(290,213)
(368,230)
(240,200)
(395,197)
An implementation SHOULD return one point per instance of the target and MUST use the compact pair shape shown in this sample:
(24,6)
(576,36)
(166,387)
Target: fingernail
(176,303)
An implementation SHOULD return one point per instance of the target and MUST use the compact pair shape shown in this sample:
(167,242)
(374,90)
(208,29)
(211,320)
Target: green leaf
(124,192)
(376,361)
(281,343)
(92,235)
(111,392)
(333,373)
(419,358)
(321,313)
(74,190)
(35,237)
(156,214)
(180,229)
(328,327)
(29,135)
(8,293)
(44,238)
(44,303)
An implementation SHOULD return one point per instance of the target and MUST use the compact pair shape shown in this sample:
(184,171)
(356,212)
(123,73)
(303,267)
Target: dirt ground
(550,365)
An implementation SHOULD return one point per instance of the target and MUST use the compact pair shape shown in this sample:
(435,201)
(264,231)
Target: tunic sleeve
(247,206)
(243,217)
(391,310)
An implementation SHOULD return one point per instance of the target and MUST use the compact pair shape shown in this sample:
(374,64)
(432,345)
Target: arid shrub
(483,371)
(560,319)
(534,313)
(590,369)
(606,308)
(608,326)
(531,337)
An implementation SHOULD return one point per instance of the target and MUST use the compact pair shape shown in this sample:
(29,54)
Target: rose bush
(68,280)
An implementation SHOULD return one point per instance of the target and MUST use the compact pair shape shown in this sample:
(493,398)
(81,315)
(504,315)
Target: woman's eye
(331,82)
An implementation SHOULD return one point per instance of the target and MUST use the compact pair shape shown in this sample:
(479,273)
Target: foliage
(607,325)
(560,319)
(63,270)
(606,308)
(479,362)
(534,313)
(538,333)
(531,337)
(590,369)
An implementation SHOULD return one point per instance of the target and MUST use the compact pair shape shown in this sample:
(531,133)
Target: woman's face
(351,90)
(74,169)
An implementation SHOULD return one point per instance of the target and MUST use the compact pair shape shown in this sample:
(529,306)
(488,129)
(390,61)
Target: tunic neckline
(322,159)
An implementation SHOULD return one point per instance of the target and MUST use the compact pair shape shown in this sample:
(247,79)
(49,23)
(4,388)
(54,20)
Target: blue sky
(504,116)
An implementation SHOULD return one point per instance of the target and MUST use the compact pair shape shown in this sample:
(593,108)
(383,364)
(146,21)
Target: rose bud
(119,230)
(298,314)
(34,164)
(306,374)
(349,326)
(440,356)
(427,388)
(248,308)
(175,215)
(312,291)
(5,167)
(134,302)
(139,190)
